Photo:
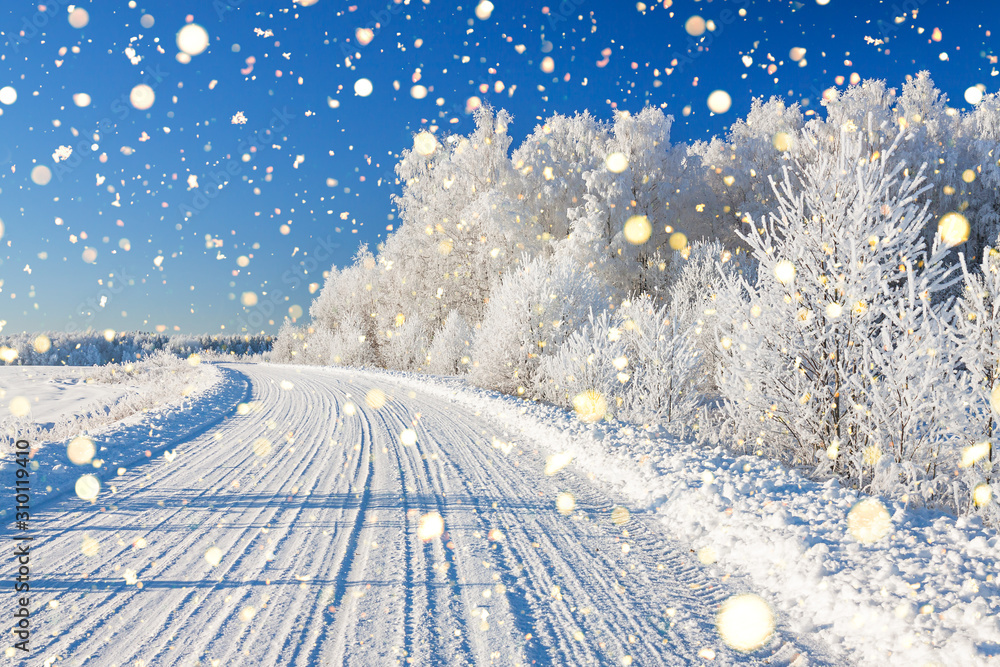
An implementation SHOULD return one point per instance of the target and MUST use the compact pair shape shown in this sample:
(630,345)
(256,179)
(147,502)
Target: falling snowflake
(239,119)
(62,153)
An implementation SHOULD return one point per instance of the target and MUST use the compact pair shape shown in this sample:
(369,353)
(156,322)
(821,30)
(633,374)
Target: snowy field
(53,392)
(310,516)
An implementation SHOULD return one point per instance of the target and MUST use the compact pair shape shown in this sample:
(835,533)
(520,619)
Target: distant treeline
(99,347)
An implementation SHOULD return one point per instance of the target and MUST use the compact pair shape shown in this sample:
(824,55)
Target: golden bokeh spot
(408,437)
(90,546)
(192,39)
(81,450)
(728,180)
(556,462)
(249,299)
(868,521)
(968,175)
(707,555)
(678,241)
(42,344)
(286,385)
(590,406)
(872,455)
(261,447)
(19,406)
(41,175)
(142,97)
(430,526)
(782,141)
(834,310)
(745,622)
(213,556)
(424,143)
(982,495)
(350,409)
(695,26)
(953,229)
(375,399)
(8,354)
(131,577)
(974,453)
(565,503)
(87,487)
(247,613)
(784,271)
(638,229)
(719,101)
(616,163)
(484,10)
(620,516)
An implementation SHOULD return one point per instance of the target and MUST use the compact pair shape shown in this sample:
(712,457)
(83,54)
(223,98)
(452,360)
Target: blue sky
(120,237)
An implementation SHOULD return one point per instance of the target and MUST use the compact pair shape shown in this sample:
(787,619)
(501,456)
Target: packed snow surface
(309,516)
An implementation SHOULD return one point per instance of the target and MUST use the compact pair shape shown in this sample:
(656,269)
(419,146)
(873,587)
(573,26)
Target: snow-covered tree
(978,334)
(462,225)
(451,344)
(405,347)
(696,276)
(550,167)
(623,230)
(836,351)
(638,361)
(346,308)
(288,345)
(738,168)
(531,311)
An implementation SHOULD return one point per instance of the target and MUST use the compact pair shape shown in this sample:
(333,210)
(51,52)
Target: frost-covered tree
(531,311)
(634,183)
(288,345)
(405,347)
(345,313)
(462,224)
(450,346)
(550,167)
(738,168)
(978,334)
(637,361)
(836,351)
(697,273)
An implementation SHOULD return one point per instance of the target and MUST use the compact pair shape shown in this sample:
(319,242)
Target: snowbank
(154,404)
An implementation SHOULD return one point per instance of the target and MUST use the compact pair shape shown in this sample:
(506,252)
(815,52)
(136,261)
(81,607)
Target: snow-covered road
(313,503)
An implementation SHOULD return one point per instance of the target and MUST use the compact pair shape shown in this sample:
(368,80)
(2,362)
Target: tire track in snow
(340,500)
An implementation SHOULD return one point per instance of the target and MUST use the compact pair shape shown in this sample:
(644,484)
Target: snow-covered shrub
(637,358)
(583,363)
(837,352)
(405,347)
(449,346)
(288,345)
(978,331)
(531,311)
(696,274)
